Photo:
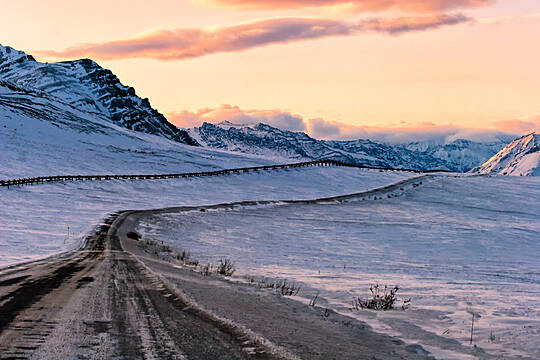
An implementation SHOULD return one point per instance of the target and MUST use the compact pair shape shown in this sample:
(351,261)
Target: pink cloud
(322,129)
(406,24)
(403,133)
(356,5)
(517,126)
(277,118)
(191,43)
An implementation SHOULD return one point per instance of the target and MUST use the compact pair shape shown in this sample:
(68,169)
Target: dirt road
(104,302)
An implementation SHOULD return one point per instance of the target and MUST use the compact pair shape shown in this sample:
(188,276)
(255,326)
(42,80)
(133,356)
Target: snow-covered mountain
(261,139)
(40,135)
(94,92)
(519,158)
(265,140)
(461,154)
(90,88)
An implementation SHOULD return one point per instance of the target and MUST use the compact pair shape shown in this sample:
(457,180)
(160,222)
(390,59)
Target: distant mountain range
(264,140)
(46,89)
(520,158)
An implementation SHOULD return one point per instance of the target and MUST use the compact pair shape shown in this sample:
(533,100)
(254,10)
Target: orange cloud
(332,130)
(403,133)
(401,25)
(355,5)
(192,43)
(278,118)
(517,126)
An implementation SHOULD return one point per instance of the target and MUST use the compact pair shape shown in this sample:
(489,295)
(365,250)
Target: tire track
(100,302)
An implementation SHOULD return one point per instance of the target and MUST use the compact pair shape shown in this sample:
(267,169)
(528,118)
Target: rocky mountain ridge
(87,86)
(265,140)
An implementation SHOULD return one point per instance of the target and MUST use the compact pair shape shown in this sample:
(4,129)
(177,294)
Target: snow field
(457,246)
(34,219)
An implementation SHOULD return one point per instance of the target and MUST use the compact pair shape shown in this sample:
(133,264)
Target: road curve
(115,300)
(101,302)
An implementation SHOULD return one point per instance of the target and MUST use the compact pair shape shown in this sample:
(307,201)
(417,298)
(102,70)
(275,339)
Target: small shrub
(289,289)
(206,270)
(193,263)
(381,299)
(183,256)
(283,287)
(226,267)
(326,313)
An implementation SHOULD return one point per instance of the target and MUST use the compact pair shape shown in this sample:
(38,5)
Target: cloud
(402,25)
(426,131)
(330,130)
(518,126)
(191,43)
(403,133)
(509,18)
(277,118)
(354,5)
(320,128)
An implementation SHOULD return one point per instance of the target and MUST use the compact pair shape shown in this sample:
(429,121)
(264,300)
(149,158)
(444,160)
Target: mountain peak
(519,158)
(9,55)
(87,86)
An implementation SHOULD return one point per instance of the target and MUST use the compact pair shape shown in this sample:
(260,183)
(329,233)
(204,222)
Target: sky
(333,68)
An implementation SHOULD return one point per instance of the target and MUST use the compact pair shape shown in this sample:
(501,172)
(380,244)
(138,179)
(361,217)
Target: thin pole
(472,327)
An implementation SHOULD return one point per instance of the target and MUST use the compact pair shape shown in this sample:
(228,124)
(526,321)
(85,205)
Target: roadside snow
(457,246)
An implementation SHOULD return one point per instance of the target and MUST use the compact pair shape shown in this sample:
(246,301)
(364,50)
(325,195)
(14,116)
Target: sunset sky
(333,68)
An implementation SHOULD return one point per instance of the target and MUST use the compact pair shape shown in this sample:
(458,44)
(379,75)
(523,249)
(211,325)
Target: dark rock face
(87,86)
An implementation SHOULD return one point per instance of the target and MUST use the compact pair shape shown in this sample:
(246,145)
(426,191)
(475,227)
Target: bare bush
(205,270)
(183,256)
(381,299)
(225,267)
(289,289)
(282,286)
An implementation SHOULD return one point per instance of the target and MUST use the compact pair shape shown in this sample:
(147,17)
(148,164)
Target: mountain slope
(40,135)
(90,88)
(519,158)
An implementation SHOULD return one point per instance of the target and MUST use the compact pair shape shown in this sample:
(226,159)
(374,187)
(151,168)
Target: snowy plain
(41,135)
(456,246)
(35,219)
